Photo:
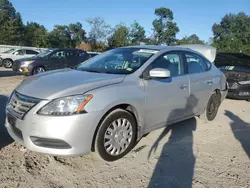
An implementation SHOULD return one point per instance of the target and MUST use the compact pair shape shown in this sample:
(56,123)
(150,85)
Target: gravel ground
(188,154)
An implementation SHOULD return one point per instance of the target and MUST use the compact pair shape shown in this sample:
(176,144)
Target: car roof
(73,49)
(161,47)
(26,49)
(93,52)
(151,47)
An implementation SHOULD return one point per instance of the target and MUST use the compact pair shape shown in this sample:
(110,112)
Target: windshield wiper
(93,70)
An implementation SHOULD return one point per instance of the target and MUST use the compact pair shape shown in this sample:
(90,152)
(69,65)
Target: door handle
(183,86)
(210,82)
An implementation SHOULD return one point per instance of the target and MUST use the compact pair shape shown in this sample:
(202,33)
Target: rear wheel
(38,70)
(116,135)
(7,63)
(212,108)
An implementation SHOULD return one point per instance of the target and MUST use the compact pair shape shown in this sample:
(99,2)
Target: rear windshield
(9,51)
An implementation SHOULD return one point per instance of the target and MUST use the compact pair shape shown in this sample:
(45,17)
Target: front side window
(19,52)
(59,55)
(170,61)
(118,61)
(71,54)
(195,63)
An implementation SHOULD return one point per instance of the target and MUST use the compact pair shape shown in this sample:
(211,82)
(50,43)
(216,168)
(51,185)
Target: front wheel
(7,63)
(116,135)
(38,70)
(212,108)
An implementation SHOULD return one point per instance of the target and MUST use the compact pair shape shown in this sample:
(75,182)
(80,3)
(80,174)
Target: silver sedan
(110,101)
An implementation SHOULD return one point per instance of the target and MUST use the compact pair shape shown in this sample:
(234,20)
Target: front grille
(12,123)
(20,104)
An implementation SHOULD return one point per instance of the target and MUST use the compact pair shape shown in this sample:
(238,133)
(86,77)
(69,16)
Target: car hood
(65,82)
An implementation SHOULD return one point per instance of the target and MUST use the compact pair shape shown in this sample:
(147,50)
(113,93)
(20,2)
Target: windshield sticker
(148,51)
(229,67)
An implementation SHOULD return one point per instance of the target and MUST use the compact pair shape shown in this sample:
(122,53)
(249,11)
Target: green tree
(192,39)
(11,25)
(67,36)
(99,33)
(137,33)
(120,37)
(232,34)
(36,35)
(164,28)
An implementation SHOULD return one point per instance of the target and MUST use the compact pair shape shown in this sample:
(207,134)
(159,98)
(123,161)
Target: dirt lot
(188,154)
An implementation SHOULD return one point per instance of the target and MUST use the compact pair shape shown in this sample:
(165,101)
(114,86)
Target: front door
(166,99)
(57,60)
(72,59)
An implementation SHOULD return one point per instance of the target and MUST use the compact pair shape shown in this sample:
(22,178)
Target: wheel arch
(37,67)
(125,106)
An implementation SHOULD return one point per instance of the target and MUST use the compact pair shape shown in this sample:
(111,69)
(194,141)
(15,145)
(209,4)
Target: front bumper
(1,61)
(16,67)
(238,91)
(59,136)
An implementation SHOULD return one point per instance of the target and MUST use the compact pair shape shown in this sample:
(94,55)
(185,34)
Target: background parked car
(92,54)
(236,67)
(7,57)
(50,59)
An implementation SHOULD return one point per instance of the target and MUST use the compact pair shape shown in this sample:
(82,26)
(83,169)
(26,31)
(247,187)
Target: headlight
(26,63)
(66,106)
(244,82)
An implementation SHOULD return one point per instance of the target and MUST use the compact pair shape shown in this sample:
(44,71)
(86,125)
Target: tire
(7,63)
(212,108)
(38,70)
(117,139)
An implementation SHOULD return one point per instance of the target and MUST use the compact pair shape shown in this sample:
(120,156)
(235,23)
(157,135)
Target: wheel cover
(8,63)
(212,108)
(118,136)
(39,70)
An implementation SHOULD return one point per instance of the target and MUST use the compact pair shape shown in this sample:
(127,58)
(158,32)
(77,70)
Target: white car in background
(8,57)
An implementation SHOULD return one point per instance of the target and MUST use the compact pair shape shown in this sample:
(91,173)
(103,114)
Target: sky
(191,16)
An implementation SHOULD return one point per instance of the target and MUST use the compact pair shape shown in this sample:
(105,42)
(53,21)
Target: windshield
(235,68)
(44,53)
(9,51)
(118,61)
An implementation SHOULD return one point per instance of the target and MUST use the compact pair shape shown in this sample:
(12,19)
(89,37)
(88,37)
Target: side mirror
(159,73)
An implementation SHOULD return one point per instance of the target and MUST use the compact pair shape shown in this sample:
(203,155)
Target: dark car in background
(92,54)
(236,67)
(50,59)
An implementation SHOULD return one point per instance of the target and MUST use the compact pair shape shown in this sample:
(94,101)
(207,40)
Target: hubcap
(8,63)
(118,136)
(39,70)
(212,108)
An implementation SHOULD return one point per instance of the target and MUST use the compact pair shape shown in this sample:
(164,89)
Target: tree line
(232,34)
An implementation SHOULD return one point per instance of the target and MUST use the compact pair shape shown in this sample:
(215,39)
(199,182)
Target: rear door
(57,60)
(18,54)
(201,80)
(166,98)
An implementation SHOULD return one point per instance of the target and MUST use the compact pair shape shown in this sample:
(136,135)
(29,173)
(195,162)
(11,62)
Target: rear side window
(71,54)
(31,52)
(196,63)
